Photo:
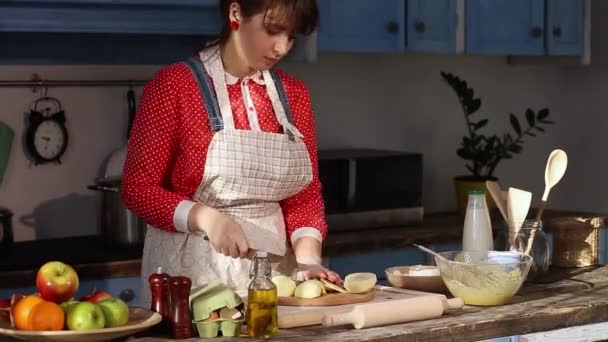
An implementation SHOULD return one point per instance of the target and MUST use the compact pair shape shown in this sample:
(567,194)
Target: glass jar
(531,239)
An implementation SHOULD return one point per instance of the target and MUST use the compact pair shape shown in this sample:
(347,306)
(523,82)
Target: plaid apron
(247,173)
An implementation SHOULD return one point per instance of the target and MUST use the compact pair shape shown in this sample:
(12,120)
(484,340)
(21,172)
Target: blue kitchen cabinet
(505,27)
(565,27)
(361,25)
(105,31)
(431,25)
(375,262)
(117,287)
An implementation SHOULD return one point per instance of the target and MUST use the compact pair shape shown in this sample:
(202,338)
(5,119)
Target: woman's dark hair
(303,14)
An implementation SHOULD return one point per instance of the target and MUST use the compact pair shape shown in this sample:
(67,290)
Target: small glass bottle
(531,239)
(477,230)
(261,315)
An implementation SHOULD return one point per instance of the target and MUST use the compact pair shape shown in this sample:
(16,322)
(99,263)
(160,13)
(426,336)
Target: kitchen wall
(364,100)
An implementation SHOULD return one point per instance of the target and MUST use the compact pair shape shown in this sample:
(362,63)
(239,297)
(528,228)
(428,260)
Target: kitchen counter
(92,258)
(567,298)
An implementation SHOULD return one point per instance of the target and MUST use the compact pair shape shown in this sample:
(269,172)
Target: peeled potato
(360,282)
(309,289)
(285,285)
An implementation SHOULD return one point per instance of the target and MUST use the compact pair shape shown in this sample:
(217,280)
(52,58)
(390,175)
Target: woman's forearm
(307,250)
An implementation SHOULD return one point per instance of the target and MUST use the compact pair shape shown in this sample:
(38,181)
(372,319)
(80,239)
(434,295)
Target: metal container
(118,225)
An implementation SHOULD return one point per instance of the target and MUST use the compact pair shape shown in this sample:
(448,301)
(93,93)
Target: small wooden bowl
(416,278)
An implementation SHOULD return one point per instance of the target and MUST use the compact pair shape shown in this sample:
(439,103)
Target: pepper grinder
(159,289)
(181,319)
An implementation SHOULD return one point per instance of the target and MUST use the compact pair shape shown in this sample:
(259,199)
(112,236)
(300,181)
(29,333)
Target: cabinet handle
(419,26)
(127,295)
(537,32)
(557,31)
(392,27)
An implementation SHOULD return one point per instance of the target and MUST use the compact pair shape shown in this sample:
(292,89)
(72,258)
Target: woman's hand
(225,235)
(316,271)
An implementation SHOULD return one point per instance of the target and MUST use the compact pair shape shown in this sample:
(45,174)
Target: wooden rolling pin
(399,311)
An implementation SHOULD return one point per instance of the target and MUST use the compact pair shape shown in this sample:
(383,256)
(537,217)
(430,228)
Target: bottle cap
(477,192)
(261,254)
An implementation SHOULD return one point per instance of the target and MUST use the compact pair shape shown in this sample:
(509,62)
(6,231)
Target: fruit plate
(330,299)
(139,319)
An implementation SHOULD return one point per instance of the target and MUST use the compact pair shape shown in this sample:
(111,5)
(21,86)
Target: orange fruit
(21,311)
(46,316)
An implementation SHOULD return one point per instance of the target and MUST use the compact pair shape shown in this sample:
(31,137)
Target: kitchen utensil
(139,320)
(329,299)
(260,239)
(117,224)
(378,314)
(496,193)
(554,171)
(518,205)
(116,161)
(468,271)
(298,316)
(507,271)
(6,228)
(418,277)
(6,140)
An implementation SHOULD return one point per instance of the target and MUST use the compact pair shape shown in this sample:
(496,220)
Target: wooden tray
(331,299)
(139,319)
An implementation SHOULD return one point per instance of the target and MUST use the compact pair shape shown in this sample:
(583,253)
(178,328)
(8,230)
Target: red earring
(234,25)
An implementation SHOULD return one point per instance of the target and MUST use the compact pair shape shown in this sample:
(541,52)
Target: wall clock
(46,138)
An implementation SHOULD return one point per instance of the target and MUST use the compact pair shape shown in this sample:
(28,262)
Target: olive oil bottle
(261,312)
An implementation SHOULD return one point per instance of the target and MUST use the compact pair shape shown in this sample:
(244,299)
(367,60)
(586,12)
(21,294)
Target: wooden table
(568,298)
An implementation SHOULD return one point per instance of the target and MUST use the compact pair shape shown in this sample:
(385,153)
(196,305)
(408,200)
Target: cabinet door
(431,25)
(565,27)
(362,25)
(508,27)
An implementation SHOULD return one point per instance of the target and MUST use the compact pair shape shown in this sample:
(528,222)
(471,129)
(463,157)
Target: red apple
(96,296)
(57,282)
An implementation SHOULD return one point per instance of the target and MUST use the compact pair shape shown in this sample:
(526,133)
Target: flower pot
(464,184)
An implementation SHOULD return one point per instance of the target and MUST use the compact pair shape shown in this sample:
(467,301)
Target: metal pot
(118,225)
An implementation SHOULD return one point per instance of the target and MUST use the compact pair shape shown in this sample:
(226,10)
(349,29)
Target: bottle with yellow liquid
(261,312)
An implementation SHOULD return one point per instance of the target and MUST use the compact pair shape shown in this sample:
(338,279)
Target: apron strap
(209,98)
(282,95)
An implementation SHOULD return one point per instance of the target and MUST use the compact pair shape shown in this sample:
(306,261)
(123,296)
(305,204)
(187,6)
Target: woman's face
(265,38)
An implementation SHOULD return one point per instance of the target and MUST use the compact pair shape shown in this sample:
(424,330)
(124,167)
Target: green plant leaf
(473,106)
(515,124)
(480,124)
(530,117)
(530,134)
(542,114)
(540,129)
(548,122)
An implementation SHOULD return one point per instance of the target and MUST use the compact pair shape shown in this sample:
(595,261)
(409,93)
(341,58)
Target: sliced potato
(333,287)
(285,285)
(360,282)
(309,289)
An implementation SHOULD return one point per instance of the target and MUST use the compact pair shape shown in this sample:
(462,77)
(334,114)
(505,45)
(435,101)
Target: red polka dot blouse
(171,135)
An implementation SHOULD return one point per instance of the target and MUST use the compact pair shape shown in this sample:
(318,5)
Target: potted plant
(484,152)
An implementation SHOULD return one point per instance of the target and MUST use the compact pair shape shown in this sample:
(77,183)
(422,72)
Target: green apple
(85,316)
(116,312)
(68,304)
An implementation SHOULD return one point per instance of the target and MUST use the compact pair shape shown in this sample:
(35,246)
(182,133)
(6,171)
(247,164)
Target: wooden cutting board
(330,299)
(299,316)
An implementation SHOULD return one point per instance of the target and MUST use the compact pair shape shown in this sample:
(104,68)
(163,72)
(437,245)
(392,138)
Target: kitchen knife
(261,239)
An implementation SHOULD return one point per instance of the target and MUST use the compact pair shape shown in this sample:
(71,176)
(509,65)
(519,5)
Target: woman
(223,153)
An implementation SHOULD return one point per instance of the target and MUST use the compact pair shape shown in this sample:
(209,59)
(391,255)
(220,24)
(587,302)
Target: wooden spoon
(554,171)
(518,205)
(496,192)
